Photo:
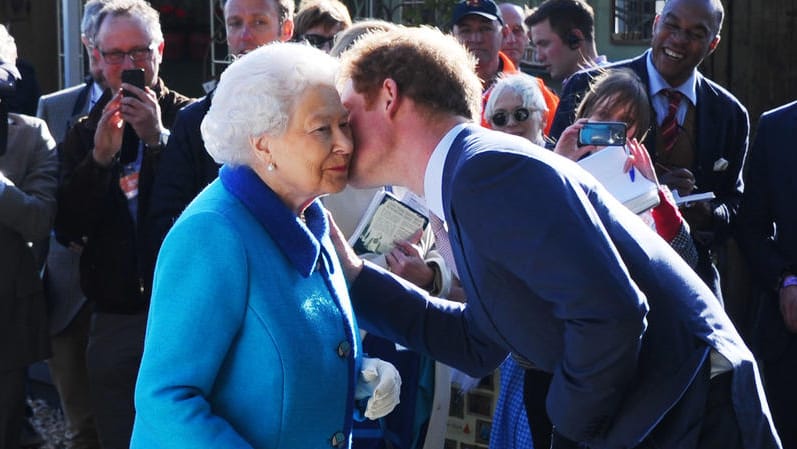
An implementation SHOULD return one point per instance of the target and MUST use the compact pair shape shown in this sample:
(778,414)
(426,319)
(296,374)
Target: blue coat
(559,272)
(251,341)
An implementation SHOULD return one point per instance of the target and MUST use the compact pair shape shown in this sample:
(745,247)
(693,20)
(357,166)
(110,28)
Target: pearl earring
(270,166)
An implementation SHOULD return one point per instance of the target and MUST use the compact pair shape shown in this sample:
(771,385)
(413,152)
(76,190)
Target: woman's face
(506,114)
(311,158)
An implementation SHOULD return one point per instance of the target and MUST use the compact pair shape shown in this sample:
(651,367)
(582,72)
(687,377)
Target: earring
(270,166)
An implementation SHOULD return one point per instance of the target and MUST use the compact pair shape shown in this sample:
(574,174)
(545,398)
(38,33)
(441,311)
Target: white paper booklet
(633,190)
(386,220)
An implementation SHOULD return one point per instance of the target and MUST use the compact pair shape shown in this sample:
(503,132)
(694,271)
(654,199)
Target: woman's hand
(567,145)
(640,159)
(351,263)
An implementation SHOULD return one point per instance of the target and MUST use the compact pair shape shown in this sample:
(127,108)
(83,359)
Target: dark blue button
(338,440)
(344,349)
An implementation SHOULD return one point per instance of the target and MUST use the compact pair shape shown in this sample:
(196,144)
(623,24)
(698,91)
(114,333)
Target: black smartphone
(603,134)
(134,77)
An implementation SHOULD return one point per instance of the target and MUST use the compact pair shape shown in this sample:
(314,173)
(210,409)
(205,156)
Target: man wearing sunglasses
(103,199)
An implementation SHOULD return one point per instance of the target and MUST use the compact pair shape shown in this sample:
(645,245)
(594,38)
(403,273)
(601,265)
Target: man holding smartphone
(103,199)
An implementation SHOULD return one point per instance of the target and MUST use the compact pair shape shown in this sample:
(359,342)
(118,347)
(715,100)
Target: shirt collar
(657,82)
(432,180)
(298,240)
(95,94)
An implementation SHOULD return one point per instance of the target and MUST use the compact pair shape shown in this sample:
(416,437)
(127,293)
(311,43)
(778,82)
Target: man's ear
(390,96)
(713,44)
(286,33)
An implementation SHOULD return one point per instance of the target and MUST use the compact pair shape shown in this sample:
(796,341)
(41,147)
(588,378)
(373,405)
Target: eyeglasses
(501,118)
(118,57)
(316,40)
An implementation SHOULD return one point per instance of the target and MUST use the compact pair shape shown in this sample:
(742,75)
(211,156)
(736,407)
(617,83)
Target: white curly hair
(256,95)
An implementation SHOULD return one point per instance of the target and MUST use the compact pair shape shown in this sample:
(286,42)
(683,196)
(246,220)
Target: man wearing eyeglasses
(700,136)
(69,313)
(103,199)
(185,167)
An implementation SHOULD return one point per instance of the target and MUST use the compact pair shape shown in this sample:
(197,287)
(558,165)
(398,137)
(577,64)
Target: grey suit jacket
(60,110)
(27,211)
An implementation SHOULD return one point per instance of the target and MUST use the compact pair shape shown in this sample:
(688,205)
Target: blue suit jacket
(723,131)
(559,272)
(768,204)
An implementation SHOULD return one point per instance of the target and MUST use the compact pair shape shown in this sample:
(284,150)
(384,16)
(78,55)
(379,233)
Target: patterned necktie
(669,126)
(441,241)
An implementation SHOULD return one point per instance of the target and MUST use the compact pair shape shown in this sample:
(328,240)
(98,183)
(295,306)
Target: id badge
(129,185)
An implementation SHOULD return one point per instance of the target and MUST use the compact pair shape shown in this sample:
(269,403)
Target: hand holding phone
(133,77)
(603,134)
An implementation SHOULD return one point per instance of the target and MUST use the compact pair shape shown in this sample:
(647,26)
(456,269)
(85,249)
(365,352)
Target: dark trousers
(116,343)
(70,376)
(12,407)
(535,390)
(780,385)
(706,410)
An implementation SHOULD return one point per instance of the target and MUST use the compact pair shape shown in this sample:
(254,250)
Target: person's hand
(108,137)
(567,145)
(142,111)
(405,260)
(380,382)
(680,179)
(640,159)
(351,263)
(788,307)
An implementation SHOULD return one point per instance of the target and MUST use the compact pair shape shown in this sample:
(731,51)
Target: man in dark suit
(555,270)
(186,167)
(710,130)
(767,205)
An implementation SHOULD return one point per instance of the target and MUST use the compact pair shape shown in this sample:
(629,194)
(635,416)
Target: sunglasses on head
(501,118)
(316,40)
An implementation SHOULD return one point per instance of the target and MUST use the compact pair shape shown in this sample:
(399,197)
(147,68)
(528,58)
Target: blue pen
(631,173)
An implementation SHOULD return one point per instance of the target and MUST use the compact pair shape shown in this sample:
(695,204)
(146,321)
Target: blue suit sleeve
(398,311)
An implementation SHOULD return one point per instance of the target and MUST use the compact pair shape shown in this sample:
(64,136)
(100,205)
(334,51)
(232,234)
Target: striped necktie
(669,126)
(441,241)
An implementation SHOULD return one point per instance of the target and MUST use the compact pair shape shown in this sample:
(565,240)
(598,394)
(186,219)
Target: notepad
(635,192)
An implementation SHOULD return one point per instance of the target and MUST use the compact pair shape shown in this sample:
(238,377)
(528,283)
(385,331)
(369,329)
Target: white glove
(380,382)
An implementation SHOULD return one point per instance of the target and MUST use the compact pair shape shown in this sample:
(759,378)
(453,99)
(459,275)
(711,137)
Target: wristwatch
(788,281)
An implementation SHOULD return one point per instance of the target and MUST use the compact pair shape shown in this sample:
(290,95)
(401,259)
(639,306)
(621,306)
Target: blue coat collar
(300,241)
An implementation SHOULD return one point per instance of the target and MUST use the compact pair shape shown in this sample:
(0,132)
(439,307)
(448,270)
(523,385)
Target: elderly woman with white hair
(517,106)
(251,340)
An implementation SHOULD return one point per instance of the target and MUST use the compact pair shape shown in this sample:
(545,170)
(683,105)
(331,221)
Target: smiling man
(699,137)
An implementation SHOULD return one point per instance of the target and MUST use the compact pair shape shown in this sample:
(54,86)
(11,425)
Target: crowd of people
(185,266)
